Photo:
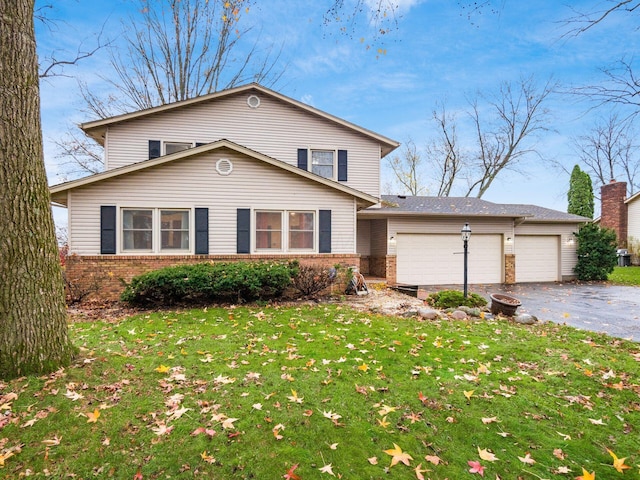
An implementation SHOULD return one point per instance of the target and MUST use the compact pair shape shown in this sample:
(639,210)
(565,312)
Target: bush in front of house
(454,298)
(597,252)
(312,280)
(210,283)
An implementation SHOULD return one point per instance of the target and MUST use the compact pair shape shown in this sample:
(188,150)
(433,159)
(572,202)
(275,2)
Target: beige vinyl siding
(379,238)
(633,226)
(275,128)
(194,182)
(364,234)
(568,245)
(450,226)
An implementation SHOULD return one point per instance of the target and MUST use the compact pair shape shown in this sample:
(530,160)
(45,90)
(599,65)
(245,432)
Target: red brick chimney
(614,210)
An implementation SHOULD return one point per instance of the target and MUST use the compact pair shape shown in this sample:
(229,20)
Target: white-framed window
(156,230)
(323,163)
(173,147)
(285,230)
(301,230)
(268,230)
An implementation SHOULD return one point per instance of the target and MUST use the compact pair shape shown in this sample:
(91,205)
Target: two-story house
(250,174)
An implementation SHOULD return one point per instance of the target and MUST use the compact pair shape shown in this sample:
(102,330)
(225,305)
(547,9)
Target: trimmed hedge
(210,283)
(454,298)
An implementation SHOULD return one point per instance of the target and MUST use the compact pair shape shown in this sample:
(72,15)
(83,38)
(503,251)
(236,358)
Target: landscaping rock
(428,313)
(459,315)
(471,311)
(525,319)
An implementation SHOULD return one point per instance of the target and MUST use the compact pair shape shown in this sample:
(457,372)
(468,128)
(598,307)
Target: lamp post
(466,234)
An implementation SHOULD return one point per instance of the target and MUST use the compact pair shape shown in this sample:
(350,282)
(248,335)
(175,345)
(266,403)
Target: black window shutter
(302,159)
(154,149)
(342,165)
(324,242)
(108,230)
(243,241)
(202,231)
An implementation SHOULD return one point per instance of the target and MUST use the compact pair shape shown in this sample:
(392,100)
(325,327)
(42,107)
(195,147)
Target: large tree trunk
(33,327)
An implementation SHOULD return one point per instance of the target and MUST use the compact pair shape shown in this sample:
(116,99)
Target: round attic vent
(224,166)
(253,101)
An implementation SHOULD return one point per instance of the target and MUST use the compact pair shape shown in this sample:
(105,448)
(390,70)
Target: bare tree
(610,151)
(582,21)
(181,49)
(517,114)
(504,126)
(406,169)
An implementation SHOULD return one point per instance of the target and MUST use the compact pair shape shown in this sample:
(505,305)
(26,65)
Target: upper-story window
(173,147)
(323,163)
(327,163)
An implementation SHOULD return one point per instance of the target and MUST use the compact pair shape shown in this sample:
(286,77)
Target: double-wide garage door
(537,258)
(428,259)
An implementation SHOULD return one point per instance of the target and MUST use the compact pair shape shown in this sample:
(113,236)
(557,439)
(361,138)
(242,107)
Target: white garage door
(424,259)
(536,258)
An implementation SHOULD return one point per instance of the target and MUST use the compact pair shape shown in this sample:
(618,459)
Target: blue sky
(435,55)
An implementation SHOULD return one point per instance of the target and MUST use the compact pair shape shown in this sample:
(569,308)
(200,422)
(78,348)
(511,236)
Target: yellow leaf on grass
(162,369)
(383,423)
(527,459)
(397,455)
(364,367)
(92,417)
(468,394)
(586,475)
(618,463)
(4,457)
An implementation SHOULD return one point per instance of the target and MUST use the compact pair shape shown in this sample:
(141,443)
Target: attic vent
(224,166)
(253,101)
(402,196)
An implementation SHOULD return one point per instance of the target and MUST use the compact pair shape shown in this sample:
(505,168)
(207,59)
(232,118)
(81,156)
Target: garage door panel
(537,258)
(426,259)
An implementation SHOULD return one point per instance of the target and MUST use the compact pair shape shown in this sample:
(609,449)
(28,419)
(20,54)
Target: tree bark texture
(33,324)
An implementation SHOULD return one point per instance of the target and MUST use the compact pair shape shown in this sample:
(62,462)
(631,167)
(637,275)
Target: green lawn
(307,392)
(625,275)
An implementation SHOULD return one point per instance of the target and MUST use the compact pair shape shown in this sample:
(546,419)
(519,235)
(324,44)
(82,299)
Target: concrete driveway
(599,307)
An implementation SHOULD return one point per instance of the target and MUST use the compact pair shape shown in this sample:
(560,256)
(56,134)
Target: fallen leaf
(487,455)
(527,459)
(559,454)
(162,369)
(92,417)
(618,463)
(488,420)
(397,455)
(54,441)
(206,457)
(476,467)
(586,475)
(433,459)
(597,422)
(228,423)
(468,394)
(290,475)
(419,471)
(327,469)
(373,460)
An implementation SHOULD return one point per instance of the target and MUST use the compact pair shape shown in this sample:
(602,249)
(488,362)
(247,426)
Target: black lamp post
(466,234)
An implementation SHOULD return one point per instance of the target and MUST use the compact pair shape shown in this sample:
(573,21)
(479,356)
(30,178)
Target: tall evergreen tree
(33,320)
(580,194)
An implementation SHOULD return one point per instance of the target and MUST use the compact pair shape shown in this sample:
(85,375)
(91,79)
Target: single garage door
(426,259)
(537,258)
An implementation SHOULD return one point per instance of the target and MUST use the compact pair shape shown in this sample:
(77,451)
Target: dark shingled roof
(467,206)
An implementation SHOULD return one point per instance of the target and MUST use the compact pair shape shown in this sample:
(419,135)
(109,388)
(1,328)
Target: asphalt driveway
(599,307)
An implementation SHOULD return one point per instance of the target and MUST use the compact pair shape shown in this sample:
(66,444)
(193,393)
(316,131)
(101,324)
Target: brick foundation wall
(614,210)
(106,273)
(509,268)
(378,267)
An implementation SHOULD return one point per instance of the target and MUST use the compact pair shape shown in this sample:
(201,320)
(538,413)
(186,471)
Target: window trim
(334,152)
(285,231)
(172,142)
(156,231)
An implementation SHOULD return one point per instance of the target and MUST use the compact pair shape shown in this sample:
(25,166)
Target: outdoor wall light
(509,241)
(392,239)
(570,240)
(466,235)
